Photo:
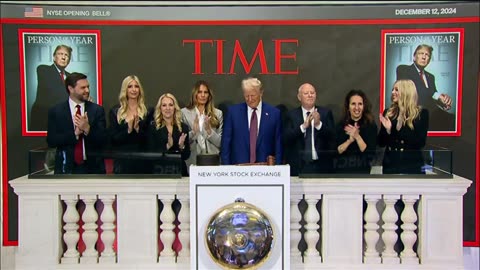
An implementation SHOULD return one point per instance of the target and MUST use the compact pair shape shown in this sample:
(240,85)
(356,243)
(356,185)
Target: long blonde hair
(123,99)
(209,107)
(177,115)
(407,107)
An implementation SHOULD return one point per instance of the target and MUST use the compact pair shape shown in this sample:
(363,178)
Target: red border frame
(21,55)
(476,243)
(7,242)
(461,32)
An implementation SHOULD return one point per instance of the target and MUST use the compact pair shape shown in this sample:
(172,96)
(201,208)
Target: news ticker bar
(292,12)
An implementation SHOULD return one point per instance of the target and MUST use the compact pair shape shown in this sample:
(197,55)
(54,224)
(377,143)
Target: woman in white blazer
(205,122)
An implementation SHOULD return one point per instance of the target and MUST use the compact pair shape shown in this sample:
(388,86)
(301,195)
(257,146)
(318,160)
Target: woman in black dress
(128,127)
(356,135)
(403,131)
(167,132)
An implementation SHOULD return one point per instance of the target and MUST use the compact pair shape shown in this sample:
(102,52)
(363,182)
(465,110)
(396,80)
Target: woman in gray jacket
(205,122)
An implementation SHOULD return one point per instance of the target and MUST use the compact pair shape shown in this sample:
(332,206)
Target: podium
(213,187)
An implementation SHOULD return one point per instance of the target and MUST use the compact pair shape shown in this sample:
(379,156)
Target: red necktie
(253,136)
(78,151)
(421,77)
(62,76)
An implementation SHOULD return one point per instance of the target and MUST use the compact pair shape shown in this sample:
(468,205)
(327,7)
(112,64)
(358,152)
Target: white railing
(124,229)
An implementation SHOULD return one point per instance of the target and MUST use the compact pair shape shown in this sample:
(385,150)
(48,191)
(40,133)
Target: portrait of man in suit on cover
(432,60)
(50,86)
(438,104)
(47,57)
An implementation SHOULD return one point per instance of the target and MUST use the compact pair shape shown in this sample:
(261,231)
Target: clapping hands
(307,122)
(181,140)
(206,125)
(134,123)
(386,123)
(315,116)
(81,124)
(352,131)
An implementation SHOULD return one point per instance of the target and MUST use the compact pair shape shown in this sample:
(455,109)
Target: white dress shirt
(318,127)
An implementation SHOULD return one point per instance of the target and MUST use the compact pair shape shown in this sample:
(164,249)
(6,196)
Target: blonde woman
(167,133)
(205,122)
(128,125)
(403,131)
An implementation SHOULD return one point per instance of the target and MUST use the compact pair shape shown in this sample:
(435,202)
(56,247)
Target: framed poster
(47,56)
(433,60)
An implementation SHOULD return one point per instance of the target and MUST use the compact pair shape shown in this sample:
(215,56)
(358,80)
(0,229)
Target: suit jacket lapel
(299,120)
(68,115)
(88,110)
(58,78)
(299,116)
(244,123)
(429,79)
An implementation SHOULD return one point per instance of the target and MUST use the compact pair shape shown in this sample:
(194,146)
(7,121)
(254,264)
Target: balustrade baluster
(167,236)
(184,235)
(312,236)
(108,234)
(71,236)
(408,236)
(295,235)
(90,235)
(371,235)
(389,236)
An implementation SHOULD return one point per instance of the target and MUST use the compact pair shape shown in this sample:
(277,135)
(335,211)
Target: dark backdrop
(334,58)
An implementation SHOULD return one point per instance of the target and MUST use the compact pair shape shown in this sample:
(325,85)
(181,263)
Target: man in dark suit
(436,103)
(76,127)
(50,87)
(309,135)
(251,130)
